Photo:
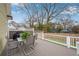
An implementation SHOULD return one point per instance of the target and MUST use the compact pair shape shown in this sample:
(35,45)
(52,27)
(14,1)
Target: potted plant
(25,35)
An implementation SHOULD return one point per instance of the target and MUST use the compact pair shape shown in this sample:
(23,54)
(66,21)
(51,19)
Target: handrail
(73,37)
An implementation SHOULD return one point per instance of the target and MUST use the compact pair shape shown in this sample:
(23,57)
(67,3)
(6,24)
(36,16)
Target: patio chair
(31,41)
(12,48)
(35,36)
(12,45)
(29,45)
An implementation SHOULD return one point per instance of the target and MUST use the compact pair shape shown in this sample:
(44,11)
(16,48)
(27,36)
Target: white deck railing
(71,41)
(68,41)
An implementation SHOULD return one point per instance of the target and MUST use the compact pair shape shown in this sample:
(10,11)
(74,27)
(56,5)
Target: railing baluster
(68,41)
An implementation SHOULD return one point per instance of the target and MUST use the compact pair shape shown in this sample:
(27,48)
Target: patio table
(21,45)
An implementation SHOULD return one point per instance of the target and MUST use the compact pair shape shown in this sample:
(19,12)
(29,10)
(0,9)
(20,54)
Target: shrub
(25,35)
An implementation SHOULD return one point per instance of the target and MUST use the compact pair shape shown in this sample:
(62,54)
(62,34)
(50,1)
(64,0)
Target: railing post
(77,45)
(42,35)
(33,31)
(68,41)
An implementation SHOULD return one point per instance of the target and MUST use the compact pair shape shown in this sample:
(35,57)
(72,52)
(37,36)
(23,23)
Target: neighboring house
(17,26)
(55,25)
(13,25)
(4,16)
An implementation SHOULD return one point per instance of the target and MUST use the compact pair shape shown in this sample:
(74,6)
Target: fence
(68,41)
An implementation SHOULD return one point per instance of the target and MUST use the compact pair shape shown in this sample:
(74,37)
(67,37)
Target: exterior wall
(3,25)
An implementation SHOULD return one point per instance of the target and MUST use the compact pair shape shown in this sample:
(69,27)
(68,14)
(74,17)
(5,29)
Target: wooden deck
(45,48)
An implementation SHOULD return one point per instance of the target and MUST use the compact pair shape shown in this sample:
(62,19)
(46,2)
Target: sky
(19,17)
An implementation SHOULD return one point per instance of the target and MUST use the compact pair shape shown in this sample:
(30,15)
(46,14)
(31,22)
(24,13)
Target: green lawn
(62,40)
(58,40)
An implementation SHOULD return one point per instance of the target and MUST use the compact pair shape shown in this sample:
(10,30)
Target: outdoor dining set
(18,43)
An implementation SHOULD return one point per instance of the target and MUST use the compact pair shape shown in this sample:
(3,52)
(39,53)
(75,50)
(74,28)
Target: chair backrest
(35,36)
(30,41)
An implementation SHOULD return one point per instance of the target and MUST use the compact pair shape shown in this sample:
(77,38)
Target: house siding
(3,26)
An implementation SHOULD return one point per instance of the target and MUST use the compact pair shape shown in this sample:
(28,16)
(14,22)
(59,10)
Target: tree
(52,11)
(75,29)
(30,11)
(66,21)
(59,27)
(42,13)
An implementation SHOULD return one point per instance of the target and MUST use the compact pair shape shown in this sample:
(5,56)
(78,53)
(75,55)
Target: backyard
(41,29)
(51,22)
